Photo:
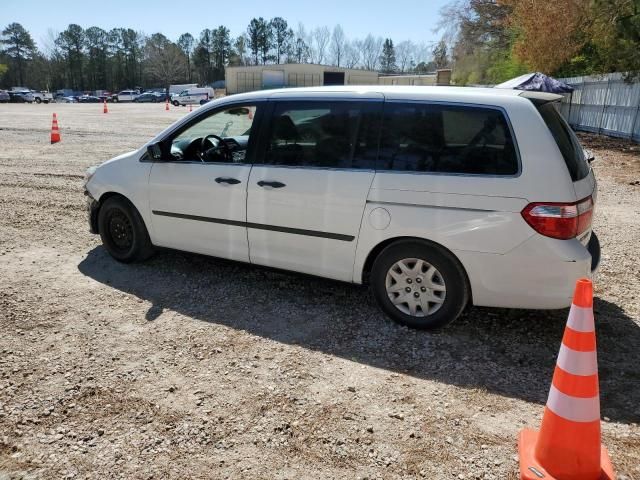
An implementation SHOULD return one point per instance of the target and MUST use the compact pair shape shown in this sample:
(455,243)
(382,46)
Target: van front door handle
(262,183)
(230,181)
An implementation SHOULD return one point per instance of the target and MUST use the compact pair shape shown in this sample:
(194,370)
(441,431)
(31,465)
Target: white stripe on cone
(581,319)
(577,363)
(573,408)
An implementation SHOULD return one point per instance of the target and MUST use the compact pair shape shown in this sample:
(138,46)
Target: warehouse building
(258,77)
(440,77)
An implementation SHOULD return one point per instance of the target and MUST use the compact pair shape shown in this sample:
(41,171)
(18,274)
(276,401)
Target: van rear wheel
(419,285)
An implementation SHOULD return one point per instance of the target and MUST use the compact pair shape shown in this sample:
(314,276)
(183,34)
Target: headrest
(285,129)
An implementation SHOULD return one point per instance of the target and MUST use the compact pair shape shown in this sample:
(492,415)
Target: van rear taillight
(559,220)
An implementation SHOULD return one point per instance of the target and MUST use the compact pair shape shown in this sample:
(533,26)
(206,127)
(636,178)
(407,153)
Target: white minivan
(193,96)
(436,197)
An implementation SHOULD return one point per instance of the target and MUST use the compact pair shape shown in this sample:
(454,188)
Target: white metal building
(258,77)
(441,77)
(249,78)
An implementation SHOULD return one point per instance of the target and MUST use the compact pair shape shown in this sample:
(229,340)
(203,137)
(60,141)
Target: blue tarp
(537,82)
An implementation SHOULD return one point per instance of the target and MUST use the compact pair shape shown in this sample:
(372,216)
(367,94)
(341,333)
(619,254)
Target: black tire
(123,232)
(38,100)
(176,103)
(453,276)
(115,100)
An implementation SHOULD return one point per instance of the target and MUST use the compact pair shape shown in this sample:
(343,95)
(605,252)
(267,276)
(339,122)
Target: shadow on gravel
(507,352)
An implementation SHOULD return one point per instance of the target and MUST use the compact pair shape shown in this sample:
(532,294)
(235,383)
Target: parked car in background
(4,96)
(149,97)
(89,99)
(125,96)
(42,97)
(65,99)
(436,197)
(38,97)
(20,97)
(193,96)
(162,96)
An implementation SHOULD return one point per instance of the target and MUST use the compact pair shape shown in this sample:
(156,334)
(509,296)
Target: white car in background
(125,96)
(193,96)
(436,197)
(42,97)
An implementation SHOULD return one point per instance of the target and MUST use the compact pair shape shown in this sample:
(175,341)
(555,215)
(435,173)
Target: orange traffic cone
(568,447)
(190,108)
(105,109)
(55,132)
(166,105)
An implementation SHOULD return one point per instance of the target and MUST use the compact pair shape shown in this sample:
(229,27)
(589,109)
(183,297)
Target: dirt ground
(191,367)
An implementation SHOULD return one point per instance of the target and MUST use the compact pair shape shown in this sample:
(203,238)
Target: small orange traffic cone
(166,105)
(55,132)
(190,108)
(105,109)
(568,445)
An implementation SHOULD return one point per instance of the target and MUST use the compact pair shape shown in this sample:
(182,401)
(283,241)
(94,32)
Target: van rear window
(566,140)
(452,139)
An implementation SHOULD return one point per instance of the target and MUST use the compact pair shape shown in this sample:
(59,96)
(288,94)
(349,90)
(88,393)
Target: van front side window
(220,137)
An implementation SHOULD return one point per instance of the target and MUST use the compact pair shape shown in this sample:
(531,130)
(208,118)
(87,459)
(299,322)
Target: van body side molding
(259,226)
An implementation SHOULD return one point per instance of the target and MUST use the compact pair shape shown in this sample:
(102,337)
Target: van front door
(305,201)
(198,195)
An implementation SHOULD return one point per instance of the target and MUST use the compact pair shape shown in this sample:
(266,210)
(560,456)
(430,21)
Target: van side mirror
(155,151)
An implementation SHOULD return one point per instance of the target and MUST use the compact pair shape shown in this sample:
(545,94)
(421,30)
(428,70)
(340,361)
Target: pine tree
(441,55)
(388,57)
(19,46)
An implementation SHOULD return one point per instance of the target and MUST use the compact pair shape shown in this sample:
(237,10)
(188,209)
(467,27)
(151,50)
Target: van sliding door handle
(262,183)
(230,181)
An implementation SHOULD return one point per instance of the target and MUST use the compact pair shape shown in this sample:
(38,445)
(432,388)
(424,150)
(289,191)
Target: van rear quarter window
(455,139)
(566,140)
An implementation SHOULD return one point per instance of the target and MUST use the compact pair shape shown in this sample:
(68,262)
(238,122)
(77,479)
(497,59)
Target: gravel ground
(191,367)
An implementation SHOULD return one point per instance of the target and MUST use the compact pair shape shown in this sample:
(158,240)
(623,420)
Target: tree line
(494,40)
(94,58)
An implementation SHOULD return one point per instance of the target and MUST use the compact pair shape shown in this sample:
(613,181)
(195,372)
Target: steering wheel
(222,146)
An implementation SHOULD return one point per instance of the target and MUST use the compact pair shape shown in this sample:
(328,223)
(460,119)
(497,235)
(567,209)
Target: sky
(397,19)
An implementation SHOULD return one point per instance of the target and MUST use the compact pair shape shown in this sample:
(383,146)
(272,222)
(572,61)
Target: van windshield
(566,140)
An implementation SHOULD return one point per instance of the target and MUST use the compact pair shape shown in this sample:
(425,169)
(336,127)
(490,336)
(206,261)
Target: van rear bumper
(539,274)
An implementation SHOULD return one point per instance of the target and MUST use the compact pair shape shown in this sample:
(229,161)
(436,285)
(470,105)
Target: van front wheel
(419,285)
(123,232)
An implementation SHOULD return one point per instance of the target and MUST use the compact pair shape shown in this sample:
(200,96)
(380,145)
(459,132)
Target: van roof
(459,93)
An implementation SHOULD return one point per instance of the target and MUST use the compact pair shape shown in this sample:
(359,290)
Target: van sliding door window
(324,134)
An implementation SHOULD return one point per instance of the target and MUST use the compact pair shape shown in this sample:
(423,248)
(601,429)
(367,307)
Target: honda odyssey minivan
(435,197)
